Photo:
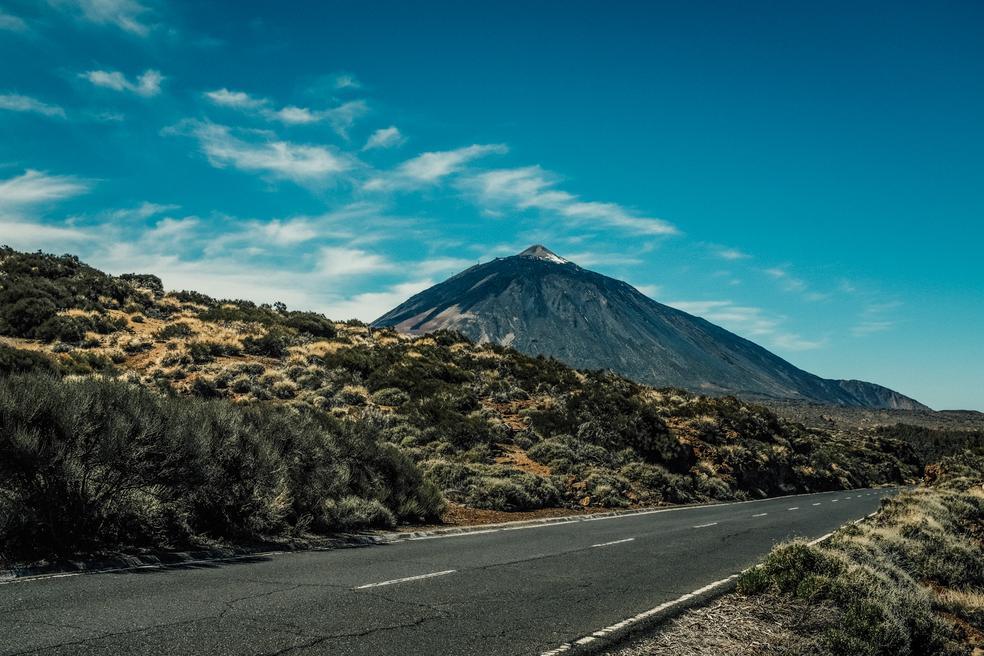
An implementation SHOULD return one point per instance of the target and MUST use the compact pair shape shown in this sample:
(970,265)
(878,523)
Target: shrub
(174,330)
(878,574)
(355,513)
(14,360)
(88,464)
(22,317)
(313,324)
(391,396)
(272,343)
(61,328)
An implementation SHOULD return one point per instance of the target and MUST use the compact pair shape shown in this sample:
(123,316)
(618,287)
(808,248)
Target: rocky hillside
(491,429)
(542,304)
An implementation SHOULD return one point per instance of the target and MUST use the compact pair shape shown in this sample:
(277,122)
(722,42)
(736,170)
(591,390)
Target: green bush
(89,464)
(14,360)
(272,343)
(311,323)
(883,575)
(173,330)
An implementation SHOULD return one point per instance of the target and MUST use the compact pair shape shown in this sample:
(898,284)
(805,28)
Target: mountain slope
(542,304)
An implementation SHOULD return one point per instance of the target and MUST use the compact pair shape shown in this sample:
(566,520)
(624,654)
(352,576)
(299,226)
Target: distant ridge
(541,303)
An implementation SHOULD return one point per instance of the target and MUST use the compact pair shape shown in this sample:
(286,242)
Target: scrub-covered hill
(194,408)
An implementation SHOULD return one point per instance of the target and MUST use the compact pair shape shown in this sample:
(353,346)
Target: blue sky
(808,175)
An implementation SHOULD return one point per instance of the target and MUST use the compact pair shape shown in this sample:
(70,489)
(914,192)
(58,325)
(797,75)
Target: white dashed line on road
(608,544)
(760,515)
(816,504)
(706,525)
(793,508)
(404,580)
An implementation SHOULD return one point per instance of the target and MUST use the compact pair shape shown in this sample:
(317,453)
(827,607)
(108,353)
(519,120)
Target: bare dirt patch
(738,626)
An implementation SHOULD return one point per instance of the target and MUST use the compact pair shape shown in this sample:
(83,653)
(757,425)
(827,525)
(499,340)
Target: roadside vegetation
(910,581)
(298,423)
(907,582)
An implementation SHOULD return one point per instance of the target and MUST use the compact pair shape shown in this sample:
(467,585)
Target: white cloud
(870,327)
(37,187)
(792,342)
(788,282)
(652,291)
(297,162)
(731,254)
(296,115)
(286,233)
(370,306)
(170,228)
(347,81)
(147,84)
(124,14)
(29,235)
(593,258)
(428,168)
(616,216)
(339,261)
(12,23)
(532,187)
(442,265)
(143,211)
(237,99)
(384,138)
(873,318)
(343,117)
(751,322)
(17,103)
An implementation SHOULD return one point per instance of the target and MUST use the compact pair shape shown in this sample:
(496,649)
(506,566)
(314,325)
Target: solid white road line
(608,544)
(404,580)
(706,525)
(635,619)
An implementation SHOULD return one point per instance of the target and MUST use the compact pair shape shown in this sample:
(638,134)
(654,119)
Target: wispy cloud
(286,232)
(297,162)
(347,81)
(236,99)
(128,15)
(12,23)
(34,187)
(431,167)
(444,265)
(143,211)
(787,281)
(749,321)
(532,187)
(147,84)
(369,306)
(596,258)
(730,254)
(31,235)
(652,291)
(384,138)
(18,103)
(876,318)
(337,261)
(341,118)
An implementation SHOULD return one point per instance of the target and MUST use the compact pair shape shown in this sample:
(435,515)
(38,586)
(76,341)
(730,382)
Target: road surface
(517,591)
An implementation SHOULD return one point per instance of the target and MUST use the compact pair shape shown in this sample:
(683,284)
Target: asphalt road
(525,591)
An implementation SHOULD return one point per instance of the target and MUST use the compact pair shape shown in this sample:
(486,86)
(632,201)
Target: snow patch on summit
(539,252)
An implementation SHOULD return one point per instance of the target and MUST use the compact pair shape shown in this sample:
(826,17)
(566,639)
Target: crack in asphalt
(110,635)
(229,606)
(354,634)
